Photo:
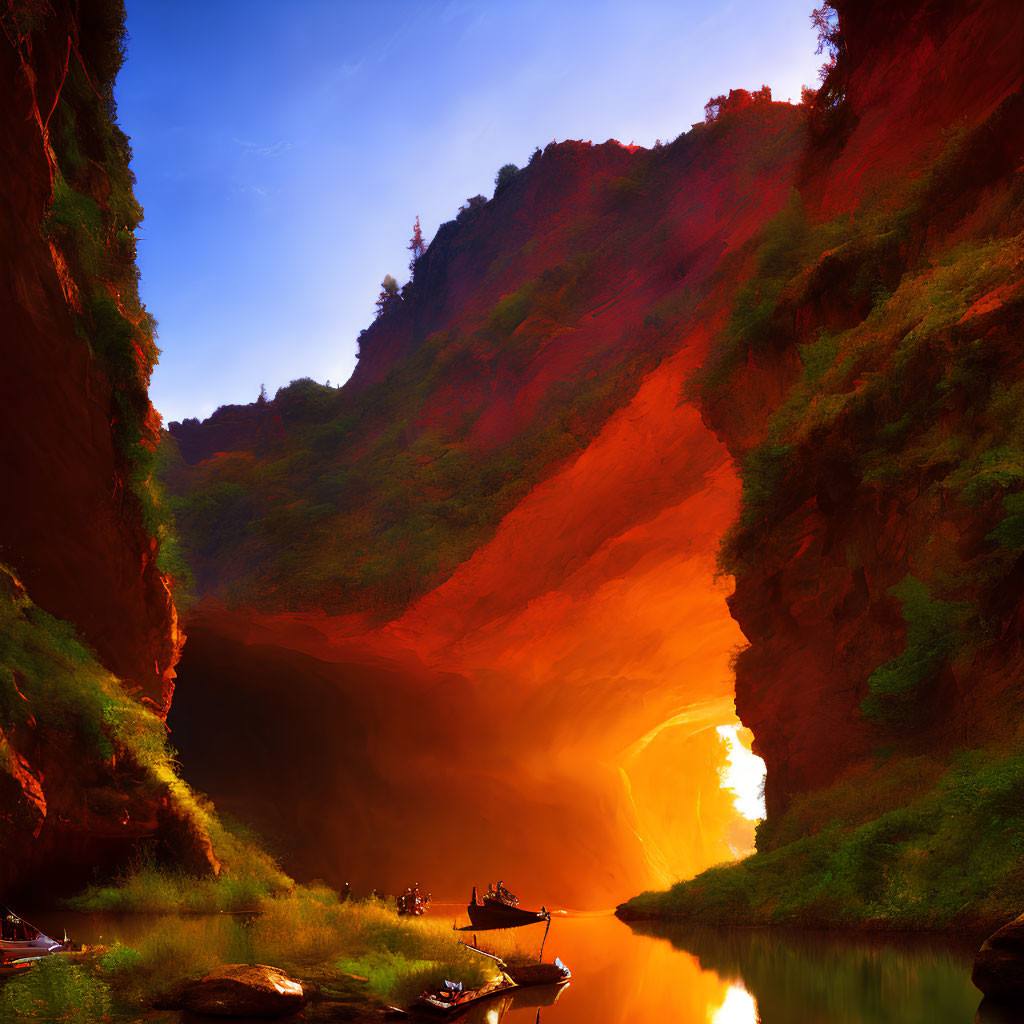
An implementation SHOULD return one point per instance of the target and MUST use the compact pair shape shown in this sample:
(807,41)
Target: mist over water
(380,774)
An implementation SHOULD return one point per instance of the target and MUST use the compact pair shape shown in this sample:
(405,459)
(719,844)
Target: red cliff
(790,331)
(79,523)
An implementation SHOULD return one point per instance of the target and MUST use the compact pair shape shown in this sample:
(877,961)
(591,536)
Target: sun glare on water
(739,1006)
(744,775)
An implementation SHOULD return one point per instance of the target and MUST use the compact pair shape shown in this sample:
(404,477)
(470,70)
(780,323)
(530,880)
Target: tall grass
(55,989)
(152,888)
(312,934)
(52,684)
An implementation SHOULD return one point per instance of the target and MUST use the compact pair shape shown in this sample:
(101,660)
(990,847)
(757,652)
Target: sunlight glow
(745,774)
(739,1006)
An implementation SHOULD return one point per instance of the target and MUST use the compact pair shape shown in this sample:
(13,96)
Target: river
(650,973)
(624,974)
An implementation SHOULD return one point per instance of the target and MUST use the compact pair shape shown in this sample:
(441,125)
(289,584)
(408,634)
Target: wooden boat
(453,999)
(501,910)
(19,940)
(528,975)
(525,975)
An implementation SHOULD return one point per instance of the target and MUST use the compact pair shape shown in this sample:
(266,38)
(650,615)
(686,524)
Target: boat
(526,975)
(453,1000)
(500,909)
(413,903)
(21,943)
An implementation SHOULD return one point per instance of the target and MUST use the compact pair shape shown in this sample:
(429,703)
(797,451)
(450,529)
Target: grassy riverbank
(355,954)
(912,844)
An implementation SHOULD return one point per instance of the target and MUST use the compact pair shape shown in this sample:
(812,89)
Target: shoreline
(974,932)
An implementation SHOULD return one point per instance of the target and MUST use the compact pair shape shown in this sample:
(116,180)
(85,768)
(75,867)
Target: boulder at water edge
(245,990)
(999,966)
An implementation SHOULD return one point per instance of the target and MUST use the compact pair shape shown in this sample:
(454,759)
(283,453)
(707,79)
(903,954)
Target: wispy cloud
(258,149)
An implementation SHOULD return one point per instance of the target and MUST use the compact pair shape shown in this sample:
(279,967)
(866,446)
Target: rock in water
(999,965)
(245,990)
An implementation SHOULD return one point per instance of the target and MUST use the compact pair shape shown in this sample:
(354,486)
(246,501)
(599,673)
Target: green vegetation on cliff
(366,503)
(895,453)
(114,759)
(90,222)
(910,844)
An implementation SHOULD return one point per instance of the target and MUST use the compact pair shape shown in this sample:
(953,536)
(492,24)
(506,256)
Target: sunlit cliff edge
(89,635)
(794,327)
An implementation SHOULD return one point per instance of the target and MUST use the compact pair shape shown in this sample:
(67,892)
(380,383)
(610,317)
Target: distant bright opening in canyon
(745,774)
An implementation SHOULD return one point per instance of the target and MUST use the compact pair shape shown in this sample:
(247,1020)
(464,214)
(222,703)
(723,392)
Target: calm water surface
(688,975)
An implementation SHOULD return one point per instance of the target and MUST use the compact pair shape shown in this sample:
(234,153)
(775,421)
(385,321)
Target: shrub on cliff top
(505,176)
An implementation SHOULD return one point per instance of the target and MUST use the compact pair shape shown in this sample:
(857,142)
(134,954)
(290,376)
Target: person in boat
(405,902)
(505,896)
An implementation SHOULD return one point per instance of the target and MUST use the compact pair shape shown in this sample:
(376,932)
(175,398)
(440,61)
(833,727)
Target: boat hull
(489,916)
(430,1005)
(525,975)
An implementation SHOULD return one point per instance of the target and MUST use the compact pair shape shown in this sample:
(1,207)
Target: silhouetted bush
(505,176)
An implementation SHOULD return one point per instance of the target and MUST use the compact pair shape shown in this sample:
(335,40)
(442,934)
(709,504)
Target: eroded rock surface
(245,990)
(999,967)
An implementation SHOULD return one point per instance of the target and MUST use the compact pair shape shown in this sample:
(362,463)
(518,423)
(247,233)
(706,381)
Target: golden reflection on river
(648,974)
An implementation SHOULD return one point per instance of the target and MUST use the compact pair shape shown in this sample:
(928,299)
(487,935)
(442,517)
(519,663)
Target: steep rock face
(861,498)
(520,502)
(77,433)
(73,530)
(517,484)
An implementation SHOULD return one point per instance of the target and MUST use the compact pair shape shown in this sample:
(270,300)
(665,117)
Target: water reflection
(821,978)
(995,1011)
(739,1008)
(528,1000)
(688,975)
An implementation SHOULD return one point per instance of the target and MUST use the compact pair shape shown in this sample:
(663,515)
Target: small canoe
(525,975)
(455,1001)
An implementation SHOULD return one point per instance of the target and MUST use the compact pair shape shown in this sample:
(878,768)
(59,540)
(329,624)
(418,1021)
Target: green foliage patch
(51,685)
(352,950)
(948,854)
(934,631)
(366,505)
(94,230)
(55,989)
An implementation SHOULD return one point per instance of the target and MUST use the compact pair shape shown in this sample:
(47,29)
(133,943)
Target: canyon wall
(90,629)
(792,331)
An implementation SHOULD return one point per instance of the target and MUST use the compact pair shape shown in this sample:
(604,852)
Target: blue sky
(283,150)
